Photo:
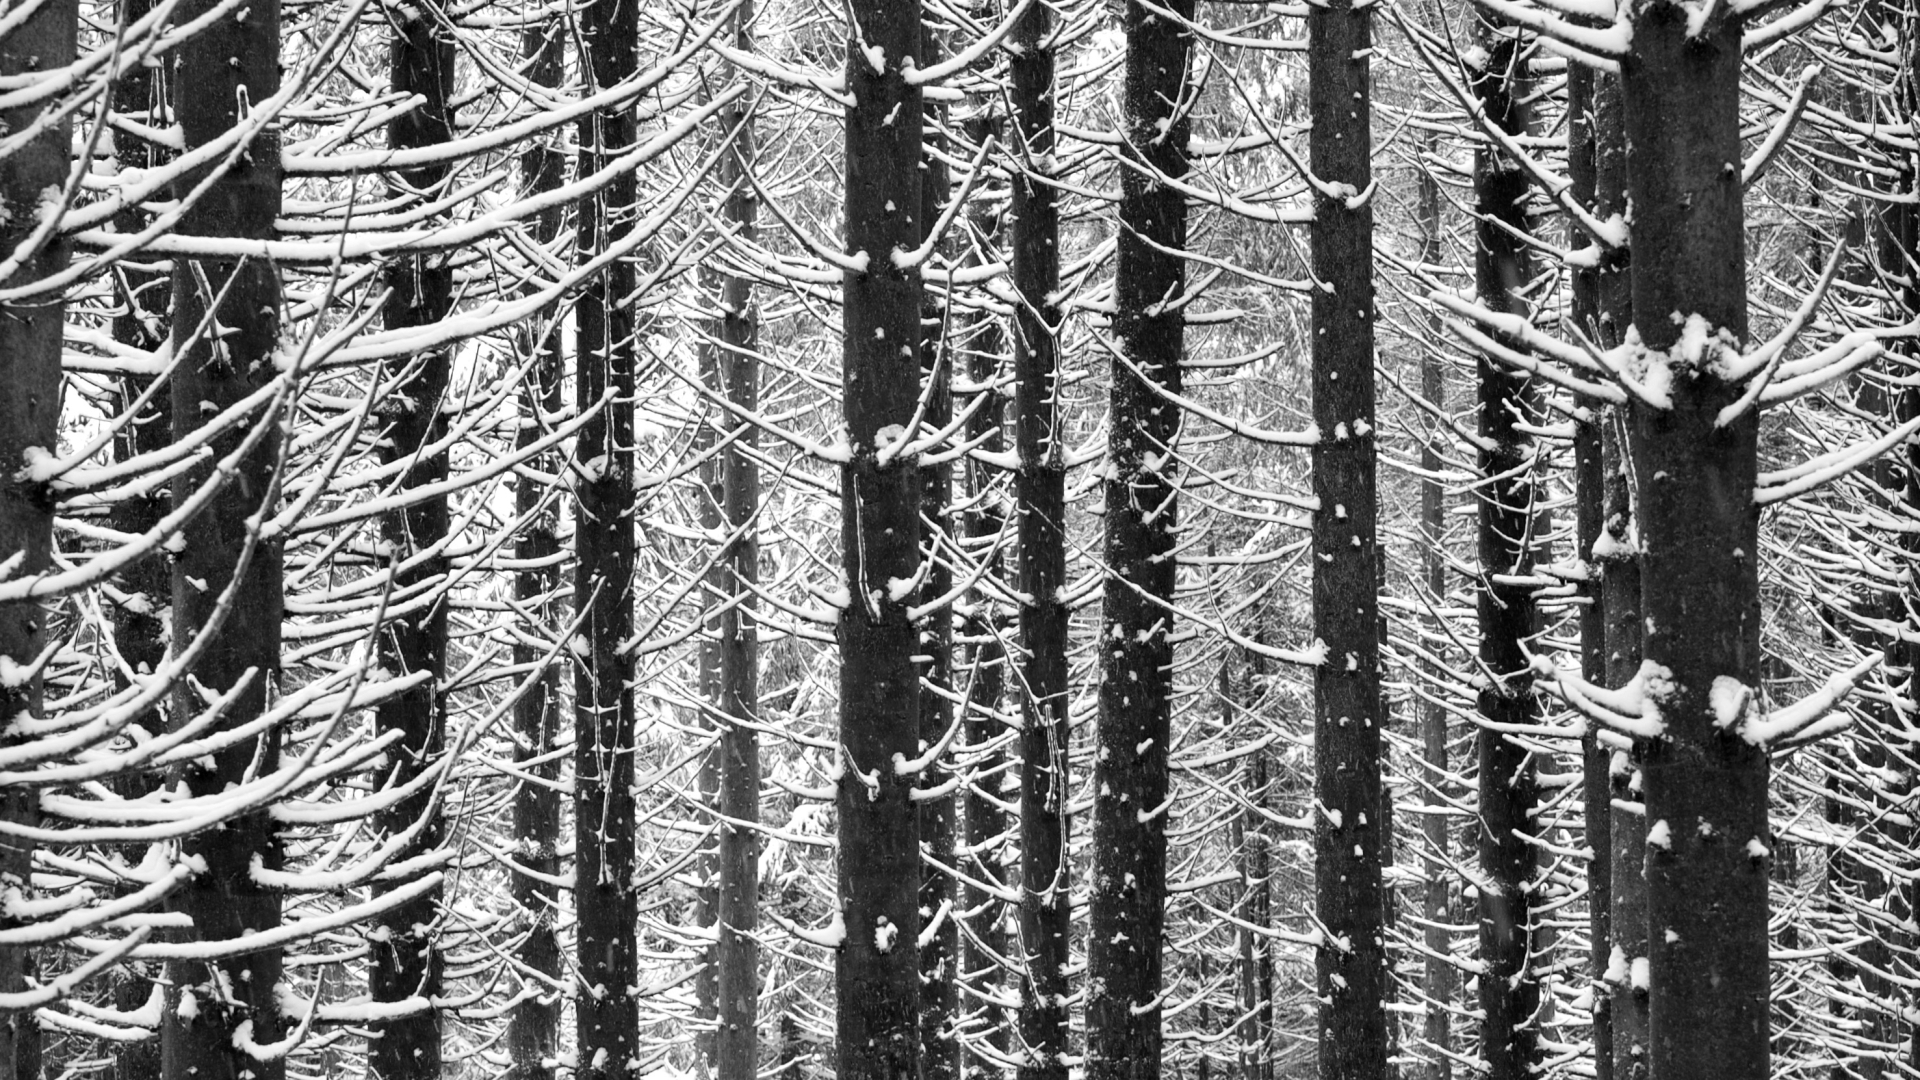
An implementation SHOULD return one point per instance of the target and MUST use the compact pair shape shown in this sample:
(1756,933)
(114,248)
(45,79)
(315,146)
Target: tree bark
(984,943)
(1040,496)
(406,965)
(940,942)
(216,1009)
(30,339)
(1128,898)
(1350,963)
(1705,785)
(1437,977)
(606,1014)
(736,1044)
(876,969)
(533,1027)
(1509,791)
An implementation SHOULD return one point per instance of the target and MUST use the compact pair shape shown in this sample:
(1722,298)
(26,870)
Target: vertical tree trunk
(1509,792)
(606,1015)
(736,1043)
(1040,494)
(1128,898)
(1351,972)
(533,1028)
(216,1009)
(876,970)
(1705,785)
(985,944)
(1619,565)
(406,965)
(1437,976)
(1589,482)
(140,615)
(30,337)
(940,947)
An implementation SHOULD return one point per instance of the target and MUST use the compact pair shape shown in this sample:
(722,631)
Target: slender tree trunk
(736,1050)
(533,1027)
(1040,494)
(1705,785)
(1509,792)
(940,945)
(1589,481)
(1128,898)
(1351,972)
(876,970)
(1901,256)
(140,614)
(406,965)
(1438,979)
(217,1010)
(606,1014)
(984,944)
(30,337)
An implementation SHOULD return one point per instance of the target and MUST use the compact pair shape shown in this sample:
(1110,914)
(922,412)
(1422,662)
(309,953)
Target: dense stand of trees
(1135,539)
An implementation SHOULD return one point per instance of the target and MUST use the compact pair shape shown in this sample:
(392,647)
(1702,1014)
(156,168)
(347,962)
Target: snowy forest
(959,539)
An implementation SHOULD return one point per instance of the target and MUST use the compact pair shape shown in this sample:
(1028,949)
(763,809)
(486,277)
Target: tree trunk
(533,1027)
(1705,785)
(1437,977)
(984,944)
(1040,495)
(1128,898)
(406,965)
(216,1010)
(876,969)
(30,339)
(939,947)
(1509,792)
(736,1043)
(1589,480)
(606,1014)
(1350,964)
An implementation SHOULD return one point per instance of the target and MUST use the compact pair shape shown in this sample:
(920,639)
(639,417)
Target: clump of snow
(1730,698)
(1642,977)
(1756,849)
(884,933)
(1660,835)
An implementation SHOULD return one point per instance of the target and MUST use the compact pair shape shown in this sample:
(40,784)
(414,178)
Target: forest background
(1032,539)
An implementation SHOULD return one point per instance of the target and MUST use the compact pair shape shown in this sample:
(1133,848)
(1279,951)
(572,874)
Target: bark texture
(606,1014)
(1348,837)
(406,966)
(1040,496)
(217,1010)
(1705,784)
(30,337)
(1508,403)
(876,969)
(1128,898)
(533,1028)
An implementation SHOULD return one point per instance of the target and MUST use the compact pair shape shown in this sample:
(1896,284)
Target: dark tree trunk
(139,618)
(1040,495)
(984,944)
(736,1042)
(1351,964)
(533,1028)
(939,948)
(876,969)
(30,337)
(229,62)
(1128,898)
(1509,793)
(406,964)
(1705,785)
(1437,975)
(606,1015)
(1589,483)
(1619,569)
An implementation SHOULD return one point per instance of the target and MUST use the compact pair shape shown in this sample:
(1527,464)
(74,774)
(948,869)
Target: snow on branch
(1812,716)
